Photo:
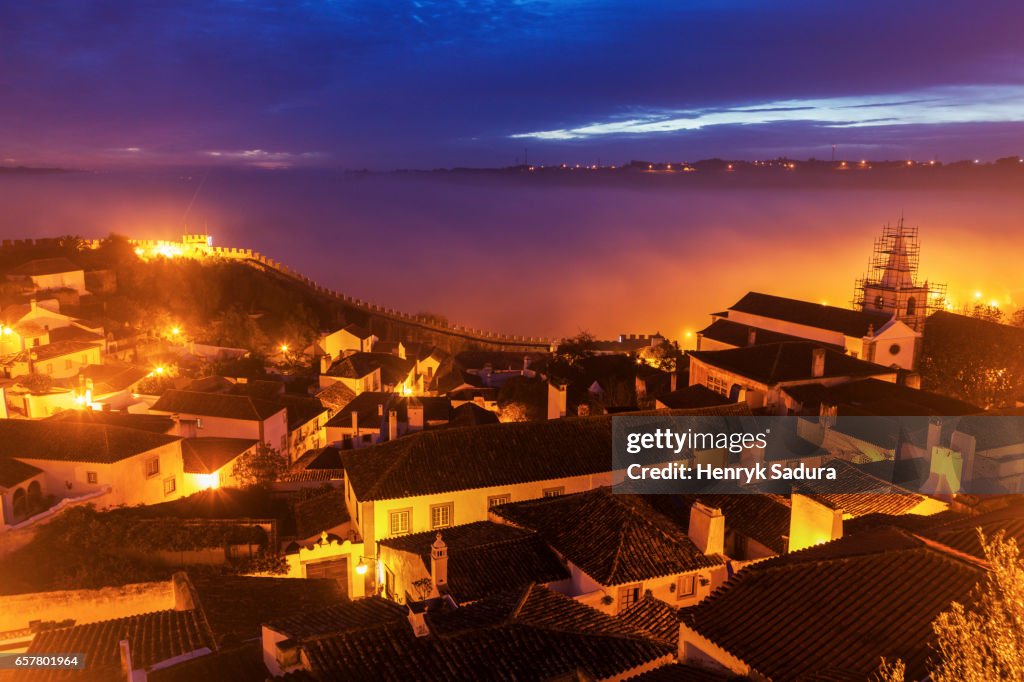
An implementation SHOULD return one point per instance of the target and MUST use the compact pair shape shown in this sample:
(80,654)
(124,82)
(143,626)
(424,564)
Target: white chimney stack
(392,424)
(439,562)
(817,362)
(707,528)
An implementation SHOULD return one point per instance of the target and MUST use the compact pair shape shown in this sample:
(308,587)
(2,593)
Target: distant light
(977,294)
(994,304)
(8,331)
(910,163)
(688,334)
(158,369)
(208,481)
(824,302)
(176,331)
(284,347)
(729,166)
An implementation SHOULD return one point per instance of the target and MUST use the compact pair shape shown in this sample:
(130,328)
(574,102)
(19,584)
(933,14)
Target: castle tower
(891,284)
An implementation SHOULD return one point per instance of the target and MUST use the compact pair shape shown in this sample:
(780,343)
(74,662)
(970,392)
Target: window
(687,586)
(170,485)
(718,385)
(894,349)
(399,521)
(441,515)
(495,500)
(92,477)
(879,302)
(152,467)
(911,306)
(628,595)
(554,492)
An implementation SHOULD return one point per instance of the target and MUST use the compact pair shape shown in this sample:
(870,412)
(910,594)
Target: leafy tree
(983,311)
(259,468)
(984,642)
(572,350)
(1017,319)
(665,356)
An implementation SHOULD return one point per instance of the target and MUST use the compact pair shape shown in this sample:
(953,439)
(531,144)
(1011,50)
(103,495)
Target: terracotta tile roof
(857,492)
(681,672)
(613,538)
(112,377)
(240,664)
(44,266)
(843,320)
(152,637)
(57,349)
(873,396)
(654,617)
(336,396)
(838,606)
(485,558)
(961,533)
(69,441)
(471,414)
(72,333)
(531,635)
(13,472)
(445,460)
(320,512)
(367,406)
(393,369)
(737,334)
(206,455)
(772,363)
(235,607)
(216,405)
(344,617)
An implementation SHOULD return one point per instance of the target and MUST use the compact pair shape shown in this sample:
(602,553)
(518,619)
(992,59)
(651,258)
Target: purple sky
(425,83)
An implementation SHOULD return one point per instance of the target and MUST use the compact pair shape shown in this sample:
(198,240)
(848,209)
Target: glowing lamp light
(208,481)
(406,390)
(362,568)
(158,369)
(7,331)
(994,304)
(284,347)
(977,294)
(689,335)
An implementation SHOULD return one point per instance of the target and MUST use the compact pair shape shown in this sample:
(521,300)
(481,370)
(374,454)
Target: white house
(51,273)
(223,415)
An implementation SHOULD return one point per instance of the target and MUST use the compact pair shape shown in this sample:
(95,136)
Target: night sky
(428,84)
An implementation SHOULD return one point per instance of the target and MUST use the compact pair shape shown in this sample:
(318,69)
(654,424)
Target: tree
(572,350)
(1017,319)
(983,642)
(984,311)
(259,468)
(664,356)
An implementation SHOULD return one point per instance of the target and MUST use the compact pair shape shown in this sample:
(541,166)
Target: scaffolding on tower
(892,284)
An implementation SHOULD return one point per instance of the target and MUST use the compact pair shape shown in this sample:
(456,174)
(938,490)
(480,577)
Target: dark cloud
(430,83)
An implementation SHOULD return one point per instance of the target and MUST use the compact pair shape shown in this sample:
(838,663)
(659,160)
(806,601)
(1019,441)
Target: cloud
(262,158)
(943,105)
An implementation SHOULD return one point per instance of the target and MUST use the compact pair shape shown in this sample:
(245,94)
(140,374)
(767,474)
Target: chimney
(707,528)
(673,381)
(556,401)
(355,424)
(934,437)
(751,336)
(526,363)
(812,523)
(126,659)
(392,424)
(325,363)
(817,362)
(414,407)
(380,409)
(439,563)
(32,305)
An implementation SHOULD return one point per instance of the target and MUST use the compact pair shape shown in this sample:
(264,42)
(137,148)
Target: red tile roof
(486,558)
(216,405)
(535,634)
(75,442)
(838,606)
(152,638)
(613,538)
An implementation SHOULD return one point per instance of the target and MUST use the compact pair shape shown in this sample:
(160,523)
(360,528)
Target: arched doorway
(34,498)
(19,505)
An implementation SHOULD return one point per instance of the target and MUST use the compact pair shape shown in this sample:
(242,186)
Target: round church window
(894,349)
